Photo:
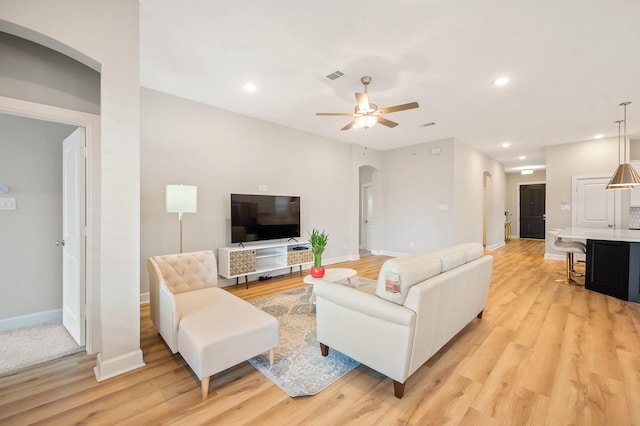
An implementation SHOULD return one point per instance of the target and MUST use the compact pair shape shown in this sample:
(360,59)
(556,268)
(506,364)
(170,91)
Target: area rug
(299,368)
(29,346)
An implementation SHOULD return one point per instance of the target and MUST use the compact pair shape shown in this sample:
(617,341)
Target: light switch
(7,203)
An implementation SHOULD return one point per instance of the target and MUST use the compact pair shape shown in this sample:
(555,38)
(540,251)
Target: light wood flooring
(544,353)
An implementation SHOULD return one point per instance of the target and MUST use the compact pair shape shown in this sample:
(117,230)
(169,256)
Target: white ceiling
(571,62)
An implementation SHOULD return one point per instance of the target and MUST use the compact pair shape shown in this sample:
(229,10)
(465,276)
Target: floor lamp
(181,199)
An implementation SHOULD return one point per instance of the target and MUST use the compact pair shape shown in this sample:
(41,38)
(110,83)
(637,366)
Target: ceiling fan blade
(397,108)
(348,126)
(363,101)
(386,122)
(335,113)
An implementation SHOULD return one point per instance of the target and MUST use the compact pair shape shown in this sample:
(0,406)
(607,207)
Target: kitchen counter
(613,260)
(609,234)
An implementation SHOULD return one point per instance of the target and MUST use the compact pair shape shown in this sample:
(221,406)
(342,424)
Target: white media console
(235,262)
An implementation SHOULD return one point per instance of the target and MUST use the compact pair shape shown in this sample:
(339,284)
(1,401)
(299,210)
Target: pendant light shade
(625,176)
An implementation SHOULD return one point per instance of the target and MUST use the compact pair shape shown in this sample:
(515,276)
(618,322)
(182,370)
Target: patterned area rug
(29,346)
(299,368)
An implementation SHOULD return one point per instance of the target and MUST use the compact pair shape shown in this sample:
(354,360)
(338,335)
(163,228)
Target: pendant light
(625,177)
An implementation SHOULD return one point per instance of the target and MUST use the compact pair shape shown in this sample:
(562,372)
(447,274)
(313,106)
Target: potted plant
(318,242)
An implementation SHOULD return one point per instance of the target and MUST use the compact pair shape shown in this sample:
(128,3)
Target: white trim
(552,256)
(29,320)
(144,298)
(496,245)
(117,365)
(91,123)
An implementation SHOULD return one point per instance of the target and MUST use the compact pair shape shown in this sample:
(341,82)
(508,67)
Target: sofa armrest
(365,303)
(373,331)
(169,317)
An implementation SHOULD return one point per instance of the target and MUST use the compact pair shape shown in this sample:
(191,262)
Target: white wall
(469,168)
(105,36)
(31,267)
(222,153)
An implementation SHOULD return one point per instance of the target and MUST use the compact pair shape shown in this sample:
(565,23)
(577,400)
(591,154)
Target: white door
(73,231)
(367,217)
(594,204)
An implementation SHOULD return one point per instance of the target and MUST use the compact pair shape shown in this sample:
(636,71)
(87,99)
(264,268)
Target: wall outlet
(411,244)
(7,203)
(443,206)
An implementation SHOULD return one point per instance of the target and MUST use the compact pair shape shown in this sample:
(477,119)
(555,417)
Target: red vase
(317,272)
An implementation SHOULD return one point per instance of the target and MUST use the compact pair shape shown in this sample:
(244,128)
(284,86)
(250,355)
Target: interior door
(367,217)
(73,230)
(594,204)
(532,208)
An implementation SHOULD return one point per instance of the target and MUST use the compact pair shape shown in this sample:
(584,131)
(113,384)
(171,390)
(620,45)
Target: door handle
(60,243)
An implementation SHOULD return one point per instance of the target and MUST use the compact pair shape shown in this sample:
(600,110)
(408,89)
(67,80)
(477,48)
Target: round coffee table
(332,275)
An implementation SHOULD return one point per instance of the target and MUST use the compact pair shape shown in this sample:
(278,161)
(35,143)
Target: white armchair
(191,314)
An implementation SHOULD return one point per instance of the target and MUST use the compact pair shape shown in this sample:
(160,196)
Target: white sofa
(210,327)
(421,301)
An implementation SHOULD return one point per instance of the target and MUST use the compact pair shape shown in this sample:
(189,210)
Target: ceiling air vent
(335,75)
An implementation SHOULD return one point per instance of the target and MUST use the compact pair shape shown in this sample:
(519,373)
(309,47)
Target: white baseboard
(118,365)
(553,256)
(496,246)
(31,319)
(144,298)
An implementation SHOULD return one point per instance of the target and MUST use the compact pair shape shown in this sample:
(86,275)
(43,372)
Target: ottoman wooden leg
(272,354)
(204,385)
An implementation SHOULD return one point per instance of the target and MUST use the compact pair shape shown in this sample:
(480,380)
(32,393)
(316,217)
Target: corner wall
(105,36)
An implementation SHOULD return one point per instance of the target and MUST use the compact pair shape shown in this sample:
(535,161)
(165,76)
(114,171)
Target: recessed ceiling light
(250,87)
(526,172)
(598,136)
(501,81)
(506,144)
(522,157)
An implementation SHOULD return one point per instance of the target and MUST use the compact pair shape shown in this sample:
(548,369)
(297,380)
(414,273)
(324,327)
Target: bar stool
(568,248)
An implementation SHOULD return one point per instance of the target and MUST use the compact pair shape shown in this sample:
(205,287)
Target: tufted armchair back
(173,277)
(187,271)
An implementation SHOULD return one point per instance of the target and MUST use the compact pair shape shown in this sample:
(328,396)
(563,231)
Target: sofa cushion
(398,275)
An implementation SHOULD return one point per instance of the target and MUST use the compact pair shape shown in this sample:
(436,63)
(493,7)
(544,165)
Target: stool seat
(569,248)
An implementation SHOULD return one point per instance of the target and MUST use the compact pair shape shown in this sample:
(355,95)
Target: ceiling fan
(367,114)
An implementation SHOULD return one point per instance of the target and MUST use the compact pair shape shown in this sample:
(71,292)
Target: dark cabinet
(613,268)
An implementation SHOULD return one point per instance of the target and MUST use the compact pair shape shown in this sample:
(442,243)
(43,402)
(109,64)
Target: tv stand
(235,262)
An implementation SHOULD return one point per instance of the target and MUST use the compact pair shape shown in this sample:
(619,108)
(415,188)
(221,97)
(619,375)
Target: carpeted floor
(299,368)
(29,346)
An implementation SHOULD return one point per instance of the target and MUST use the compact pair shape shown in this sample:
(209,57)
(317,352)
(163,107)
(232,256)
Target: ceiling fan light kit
(367,114)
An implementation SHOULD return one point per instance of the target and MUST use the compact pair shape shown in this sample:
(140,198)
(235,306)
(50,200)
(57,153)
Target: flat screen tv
(264,217)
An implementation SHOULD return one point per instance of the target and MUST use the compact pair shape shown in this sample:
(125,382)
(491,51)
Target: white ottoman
(224,334)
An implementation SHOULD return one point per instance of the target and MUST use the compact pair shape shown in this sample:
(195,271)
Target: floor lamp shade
(181,199)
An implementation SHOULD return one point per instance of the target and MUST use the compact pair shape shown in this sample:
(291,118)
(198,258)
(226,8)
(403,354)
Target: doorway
(90,122)
(367,242)
(532,211)
(593,205)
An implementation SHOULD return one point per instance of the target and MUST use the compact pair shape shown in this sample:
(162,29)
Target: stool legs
(569,271)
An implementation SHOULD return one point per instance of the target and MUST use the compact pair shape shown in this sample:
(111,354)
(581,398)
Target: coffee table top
(333,275)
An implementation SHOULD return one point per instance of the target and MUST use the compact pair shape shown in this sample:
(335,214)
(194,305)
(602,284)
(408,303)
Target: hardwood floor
(544,353)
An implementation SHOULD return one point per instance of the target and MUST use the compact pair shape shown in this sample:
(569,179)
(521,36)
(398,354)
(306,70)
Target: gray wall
(185,142)
(31,165)
(414,184)
(594,157)
(38,74)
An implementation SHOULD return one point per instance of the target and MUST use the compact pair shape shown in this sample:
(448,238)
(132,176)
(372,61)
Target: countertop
(609,234)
